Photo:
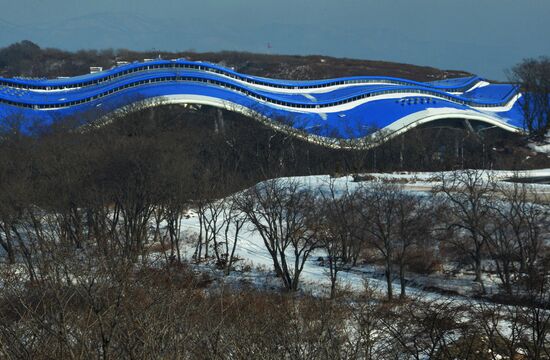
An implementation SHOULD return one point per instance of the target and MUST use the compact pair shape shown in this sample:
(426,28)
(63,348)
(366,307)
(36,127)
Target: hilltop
(30,60)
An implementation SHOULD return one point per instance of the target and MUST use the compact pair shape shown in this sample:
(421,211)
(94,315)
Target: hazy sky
(482,36)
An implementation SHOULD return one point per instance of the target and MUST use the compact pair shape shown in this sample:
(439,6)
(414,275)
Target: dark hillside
(223,143)
(28,59)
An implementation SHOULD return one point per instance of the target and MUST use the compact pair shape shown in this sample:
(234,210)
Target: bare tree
(468,194)
(337,224)
(379,214)
(234,221)
(414,222)
(426,329)
(525,215)
(214,223)
(278,210)
(393,222)
(533,75)
(367,338)
(174,216)
(504,250)
(515,237)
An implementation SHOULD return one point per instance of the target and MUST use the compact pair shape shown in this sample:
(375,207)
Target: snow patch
(543,148)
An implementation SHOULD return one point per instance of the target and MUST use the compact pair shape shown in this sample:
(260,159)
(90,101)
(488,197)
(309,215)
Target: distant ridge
(24,59)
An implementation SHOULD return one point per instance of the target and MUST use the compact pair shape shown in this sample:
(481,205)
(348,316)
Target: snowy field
(255,264)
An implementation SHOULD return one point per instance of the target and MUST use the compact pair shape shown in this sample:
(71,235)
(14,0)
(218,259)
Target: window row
(209,69)
(244,91)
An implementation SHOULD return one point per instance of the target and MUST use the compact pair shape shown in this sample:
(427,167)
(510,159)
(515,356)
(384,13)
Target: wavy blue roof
(331,109)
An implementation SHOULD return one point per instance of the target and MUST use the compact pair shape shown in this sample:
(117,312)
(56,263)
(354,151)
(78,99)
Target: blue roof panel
(333,109)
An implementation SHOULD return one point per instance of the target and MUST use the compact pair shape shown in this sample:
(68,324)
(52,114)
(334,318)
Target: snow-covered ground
(543,148)
(314,278)
(426,181)
(433,177)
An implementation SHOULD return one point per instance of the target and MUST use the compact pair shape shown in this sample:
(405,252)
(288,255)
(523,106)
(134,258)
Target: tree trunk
(477,269)
(198,250)
(389,279)
(478,277)
(402,280)
(333,276)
